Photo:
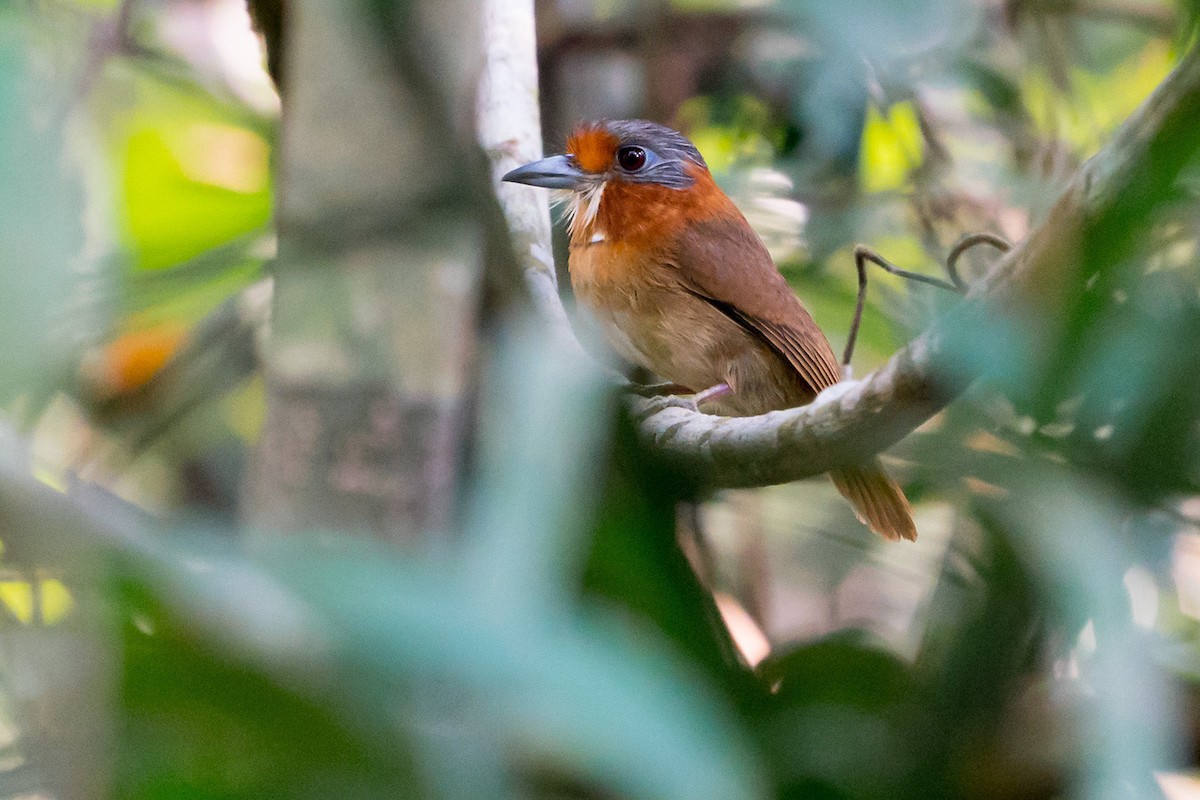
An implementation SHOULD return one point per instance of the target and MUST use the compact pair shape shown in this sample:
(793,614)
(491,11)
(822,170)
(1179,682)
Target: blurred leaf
(184,292)
(843,669)
(199,725)
(40,229)
(972,667)
(728,131)
(543,434)
(583,699)
(1068,533)
(891,148)
(1136,412)
(836,700)
(1189,16)
(195,171)
(637,566)
(1098,102)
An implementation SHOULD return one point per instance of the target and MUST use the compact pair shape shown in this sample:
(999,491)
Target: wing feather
(727,265)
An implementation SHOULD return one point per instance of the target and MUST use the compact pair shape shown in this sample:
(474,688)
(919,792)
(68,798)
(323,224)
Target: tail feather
(878,501)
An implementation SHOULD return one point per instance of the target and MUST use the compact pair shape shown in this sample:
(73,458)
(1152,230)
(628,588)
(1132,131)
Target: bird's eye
(631,159)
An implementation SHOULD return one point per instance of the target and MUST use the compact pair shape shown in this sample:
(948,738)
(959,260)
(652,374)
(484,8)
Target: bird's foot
(694,401)
(672,395)
(712,393)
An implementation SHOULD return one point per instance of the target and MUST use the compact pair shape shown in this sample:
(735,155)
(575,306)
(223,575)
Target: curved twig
(864,255)
(965,244)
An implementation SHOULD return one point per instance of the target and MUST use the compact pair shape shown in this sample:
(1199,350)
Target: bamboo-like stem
(508,122)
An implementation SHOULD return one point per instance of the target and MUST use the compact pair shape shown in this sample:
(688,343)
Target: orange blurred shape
(128,362)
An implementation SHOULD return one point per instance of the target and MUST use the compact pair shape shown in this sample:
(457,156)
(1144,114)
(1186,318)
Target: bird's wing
(723,262)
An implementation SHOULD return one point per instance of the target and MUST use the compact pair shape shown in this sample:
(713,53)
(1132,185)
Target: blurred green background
(584,624)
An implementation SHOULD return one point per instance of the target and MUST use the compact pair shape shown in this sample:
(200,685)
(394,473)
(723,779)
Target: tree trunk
(378,280)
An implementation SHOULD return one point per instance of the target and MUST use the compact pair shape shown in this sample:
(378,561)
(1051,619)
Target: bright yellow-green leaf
(244,408)
(890,149)
(57,601)
(17,597)
(53,478)
(742,137)
(1097,103)
(193,175)
(717,145)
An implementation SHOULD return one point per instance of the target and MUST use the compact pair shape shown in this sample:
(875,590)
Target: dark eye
(631,159)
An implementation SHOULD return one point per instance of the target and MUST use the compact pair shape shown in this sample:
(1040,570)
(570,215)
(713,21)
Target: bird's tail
(877,500)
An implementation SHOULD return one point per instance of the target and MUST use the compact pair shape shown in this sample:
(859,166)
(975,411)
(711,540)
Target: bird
(681,285)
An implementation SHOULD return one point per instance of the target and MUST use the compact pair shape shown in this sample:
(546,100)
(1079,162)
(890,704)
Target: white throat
(582,208)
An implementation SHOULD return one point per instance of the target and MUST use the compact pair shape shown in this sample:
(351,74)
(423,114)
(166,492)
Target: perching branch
(857,419)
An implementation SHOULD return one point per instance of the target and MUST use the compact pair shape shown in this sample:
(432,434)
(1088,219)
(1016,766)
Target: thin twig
(864,254)
(965,244)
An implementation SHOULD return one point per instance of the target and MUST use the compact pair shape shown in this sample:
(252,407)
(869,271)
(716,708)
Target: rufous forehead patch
(593,148)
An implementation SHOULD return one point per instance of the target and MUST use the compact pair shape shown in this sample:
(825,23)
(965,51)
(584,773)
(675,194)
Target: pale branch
(510,132)
(846,423)
(857,419)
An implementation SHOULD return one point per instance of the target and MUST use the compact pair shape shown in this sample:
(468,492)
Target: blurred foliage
(1042,639)
(41,233)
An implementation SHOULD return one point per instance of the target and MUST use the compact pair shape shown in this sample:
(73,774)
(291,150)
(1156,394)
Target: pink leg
(712,393)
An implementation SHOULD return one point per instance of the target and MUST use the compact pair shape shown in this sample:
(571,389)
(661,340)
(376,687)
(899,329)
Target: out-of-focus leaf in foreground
(325,661)
(40,220)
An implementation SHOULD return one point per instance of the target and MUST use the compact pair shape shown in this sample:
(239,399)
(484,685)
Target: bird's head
(633,151)
(633,154)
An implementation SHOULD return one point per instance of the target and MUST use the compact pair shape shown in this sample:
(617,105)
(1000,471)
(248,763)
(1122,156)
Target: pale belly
(658,333)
